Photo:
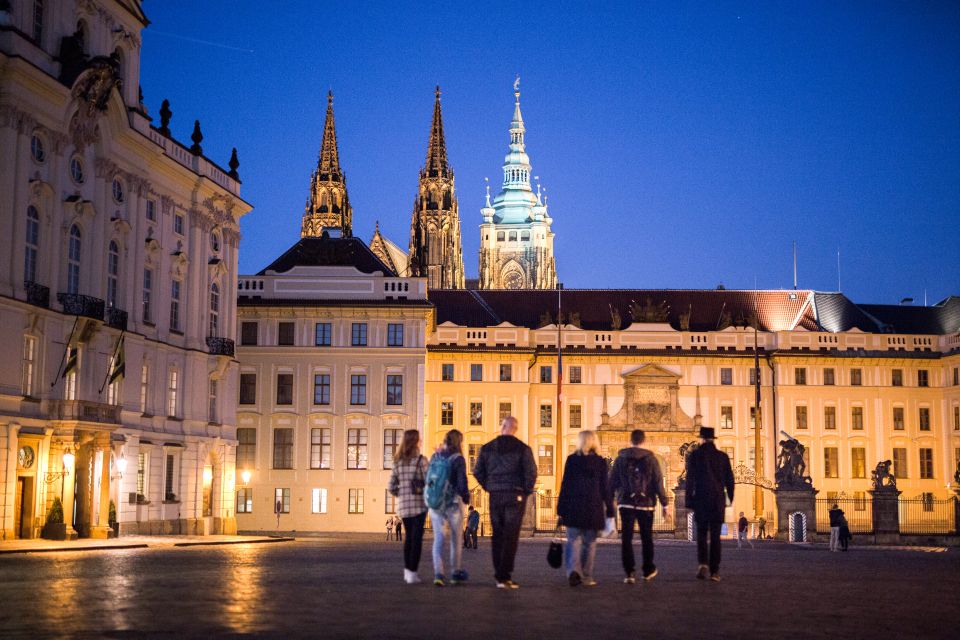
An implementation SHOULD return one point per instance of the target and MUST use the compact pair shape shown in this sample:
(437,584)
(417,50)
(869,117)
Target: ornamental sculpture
(685,449)
(791,468)
(883,479)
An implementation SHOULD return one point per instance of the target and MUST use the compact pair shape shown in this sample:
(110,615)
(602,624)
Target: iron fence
(858,511)
(927,515)
(546,515)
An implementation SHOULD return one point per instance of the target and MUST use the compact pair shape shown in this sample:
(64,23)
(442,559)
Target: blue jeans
(580,550)
(453,518)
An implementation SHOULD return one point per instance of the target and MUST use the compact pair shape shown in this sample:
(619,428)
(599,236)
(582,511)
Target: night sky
(682,144)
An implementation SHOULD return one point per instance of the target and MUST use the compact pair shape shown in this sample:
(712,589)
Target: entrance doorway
(23,508)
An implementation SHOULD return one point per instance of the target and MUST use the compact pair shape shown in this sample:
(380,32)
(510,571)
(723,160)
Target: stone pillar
(886,515)
(102,529)
(680,512)
(66,489)
(956,512)
(9,484)
(793,501)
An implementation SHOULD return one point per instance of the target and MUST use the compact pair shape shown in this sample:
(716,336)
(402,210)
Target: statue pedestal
(680,513)
(886,515)
(796,514)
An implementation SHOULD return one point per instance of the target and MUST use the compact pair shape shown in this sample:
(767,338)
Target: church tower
(435,250)
(516,243)
(328,206)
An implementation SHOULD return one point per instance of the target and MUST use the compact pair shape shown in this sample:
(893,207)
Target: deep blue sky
(682,144)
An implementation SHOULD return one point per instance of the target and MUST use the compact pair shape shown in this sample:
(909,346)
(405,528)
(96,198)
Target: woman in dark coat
(584,505)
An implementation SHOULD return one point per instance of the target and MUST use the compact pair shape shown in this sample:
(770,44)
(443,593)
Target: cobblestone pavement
(351,587)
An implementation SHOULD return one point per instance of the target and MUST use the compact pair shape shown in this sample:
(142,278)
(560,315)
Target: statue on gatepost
(791,469)
(883,479)
(956,476)
(685,449)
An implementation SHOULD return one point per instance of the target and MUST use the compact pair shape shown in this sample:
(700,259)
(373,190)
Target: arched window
(33,245)
(433,247)
(501,236)
(323,200)
(73,261)
(214,310)
(113,271)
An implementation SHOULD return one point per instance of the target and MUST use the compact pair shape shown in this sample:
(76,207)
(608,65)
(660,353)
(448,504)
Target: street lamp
(121,466)
(245,476)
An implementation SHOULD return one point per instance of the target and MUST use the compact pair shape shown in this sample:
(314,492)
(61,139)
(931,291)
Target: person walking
(406,484)
(762,528)
(398,529)
(637,482)
(445,494)
(507,471)
(584,505)
(742,525)
(473,524)
(836,519)
(709,486)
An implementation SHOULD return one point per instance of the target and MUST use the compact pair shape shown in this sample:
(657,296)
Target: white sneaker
(410,577)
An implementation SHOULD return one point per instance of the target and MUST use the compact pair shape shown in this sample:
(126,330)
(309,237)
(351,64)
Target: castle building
(516,243)
(328,206)
(117,289)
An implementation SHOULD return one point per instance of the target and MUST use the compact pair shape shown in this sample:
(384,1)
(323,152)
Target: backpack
(439,493)
(638,479)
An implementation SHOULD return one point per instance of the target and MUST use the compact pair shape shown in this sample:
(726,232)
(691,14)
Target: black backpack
(637,479)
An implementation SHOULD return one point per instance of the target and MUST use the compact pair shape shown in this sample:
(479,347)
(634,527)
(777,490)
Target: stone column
(680,512)
(886,515)
(102,529)
(793,501)
(9,484)
(67,492)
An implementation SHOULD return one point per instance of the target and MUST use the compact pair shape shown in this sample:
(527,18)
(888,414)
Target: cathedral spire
(436,165)
(328,206)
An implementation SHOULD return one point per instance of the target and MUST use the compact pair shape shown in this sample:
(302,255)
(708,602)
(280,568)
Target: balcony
(84,411)
(117,318)
(220,346)
(75,304)
(37,294)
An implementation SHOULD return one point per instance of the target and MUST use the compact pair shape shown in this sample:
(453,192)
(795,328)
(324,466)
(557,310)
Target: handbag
(555,551)
(418,482)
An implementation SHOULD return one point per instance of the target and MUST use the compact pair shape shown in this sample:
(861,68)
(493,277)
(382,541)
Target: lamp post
(245,477)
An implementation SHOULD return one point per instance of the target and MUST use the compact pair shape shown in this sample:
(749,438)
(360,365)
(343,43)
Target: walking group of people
(506,469)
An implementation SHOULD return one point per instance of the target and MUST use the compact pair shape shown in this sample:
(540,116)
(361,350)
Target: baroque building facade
(117,289)
(328,205)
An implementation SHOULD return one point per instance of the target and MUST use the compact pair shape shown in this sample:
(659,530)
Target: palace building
(117,289)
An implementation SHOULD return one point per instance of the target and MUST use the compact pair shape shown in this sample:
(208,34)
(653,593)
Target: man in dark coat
(709,486)
(507,471)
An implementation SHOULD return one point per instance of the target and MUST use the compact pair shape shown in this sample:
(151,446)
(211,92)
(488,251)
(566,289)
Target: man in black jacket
(507,471)
(709,485)
(637,481)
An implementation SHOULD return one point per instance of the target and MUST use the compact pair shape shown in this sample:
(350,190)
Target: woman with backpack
(445,494)
(407,483)
(584,505)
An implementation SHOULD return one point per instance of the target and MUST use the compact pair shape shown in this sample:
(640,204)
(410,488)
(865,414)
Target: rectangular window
(148,296)
(446,414)
(248,388)
(801,417)
(956,418)
(858,462)
(38,22)
(753,376)
(830,467)
(283,448)
(576,416)
(753,417)
(173,389)
(321,334)
(285,388)
(476,414)
(506,372)
(245,500)
(142,460)
(391,440)
(898,418)
(321,449)
(473,452)
(169,479)
(476,373)
(726,375)
(546,375)
(506,410)
(394,390)
(321,388)
(394,335)
(899,462)
(897,380)
(923,378)
(144,387)
(924,419)
(355,501)
(389,502)
(856,418)
(27,365)
(358,389)
(248,333)
(358,334)
(446,372)
(828,377)
(174,305)
(926,463)
(285,333)
(729,452)
(726,417)
(956,376)
(576,375)
(356,448)
(318,501)
(212,402)
(800,375)
(246,448)
(856,377)
(281,501)
(178,224)
(151,209)
(545,460)
(546,416)
(829,417)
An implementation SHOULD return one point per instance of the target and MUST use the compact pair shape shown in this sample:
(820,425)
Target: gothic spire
(436,165)
(328,163)
(328,205)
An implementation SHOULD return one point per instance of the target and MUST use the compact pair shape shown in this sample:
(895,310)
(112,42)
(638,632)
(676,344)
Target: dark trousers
(413,545)
(709,525)
(471,538)
(644,520)
(398,534)
(506,516)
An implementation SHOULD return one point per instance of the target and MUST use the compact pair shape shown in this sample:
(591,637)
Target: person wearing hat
(709,486)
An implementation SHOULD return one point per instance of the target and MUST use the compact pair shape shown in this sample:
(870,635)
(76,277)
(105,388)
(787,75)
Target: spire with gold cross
(328,206)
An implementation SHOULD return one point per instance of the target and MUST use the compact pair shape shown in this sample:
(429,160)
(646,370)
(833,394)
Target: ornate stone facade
(328,205)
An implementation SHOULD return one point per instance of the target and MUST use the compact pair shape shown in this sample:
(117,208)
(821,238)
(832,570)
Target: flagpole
(558,446)
(66,350)
(113,363)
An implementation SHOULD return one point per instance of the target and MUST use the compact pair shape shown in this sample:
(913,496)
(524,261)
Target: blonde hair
(589,443)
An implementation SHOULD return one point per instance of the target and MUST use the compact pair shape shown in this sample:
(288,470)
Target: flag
(118,368)
(72,356)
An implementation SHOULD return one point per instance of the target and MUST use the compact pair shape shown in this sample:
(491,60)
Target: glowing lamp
(245,476)
(207,474)
(121,465)
(68,459)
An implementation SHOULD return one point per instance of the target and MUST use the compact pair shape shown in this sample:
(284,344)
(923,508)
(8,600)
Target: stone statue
(165,115)
(883,479)
(685,449)
(791,469)
(956,476)
(235,164)
(197,138)
(615,321)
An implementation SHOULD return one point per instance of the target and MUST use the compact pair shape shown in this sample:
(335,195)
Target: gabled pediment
(652,373)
